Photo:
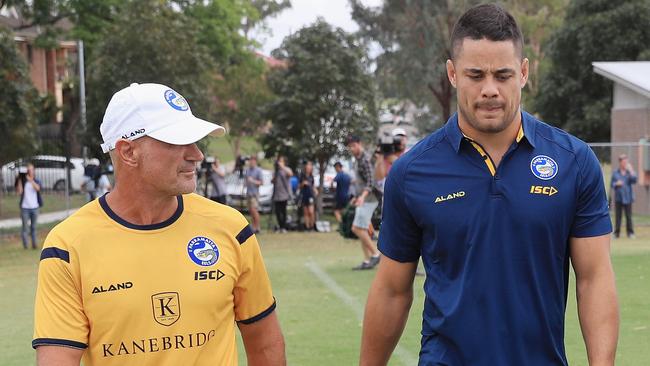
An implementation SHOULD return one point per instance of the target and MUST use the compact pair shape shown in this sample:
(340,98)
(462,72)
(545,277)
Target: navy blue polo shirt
(494,241)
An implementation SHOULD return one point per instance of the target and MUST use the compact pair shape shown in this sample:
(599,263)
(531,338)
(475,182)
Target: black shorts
(340,203)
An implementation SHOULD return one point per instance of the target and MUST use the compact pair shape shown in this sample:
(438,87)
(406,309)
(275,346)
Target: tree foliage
(537,20)
(323,95)
(149,42)
(242,92)
(19,122)
(414,36)
(571,95)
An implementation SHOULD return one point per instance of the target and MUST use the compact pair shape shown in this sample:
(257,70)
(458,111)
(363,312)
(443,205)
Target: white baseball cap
(156,111)
(399,132)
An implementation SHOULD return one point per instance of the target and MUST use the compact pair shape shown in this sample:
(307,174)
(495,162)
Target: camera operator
(218,180)
(281,191)
(389,149)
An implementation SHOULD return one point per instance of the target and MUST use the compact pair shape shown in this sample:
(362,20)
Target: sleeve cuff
(259,316)
(59,342)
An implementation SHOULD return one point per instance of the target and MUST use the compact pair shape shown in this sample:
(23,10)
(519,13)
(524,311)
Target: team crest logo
(166,308)
(203,251)
(543,167)
(176,100)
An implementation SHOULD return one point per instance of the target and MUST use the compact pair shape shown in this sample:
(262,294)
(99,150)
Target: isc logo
(547,191)
(208,275)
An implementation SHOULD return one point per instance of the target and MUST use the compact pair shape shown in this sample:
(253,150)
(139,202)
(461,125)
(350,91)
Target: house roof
(633,75)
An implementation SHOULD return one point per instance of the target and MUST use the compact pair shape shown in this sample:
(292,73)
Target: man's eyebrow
(505,70)
(473,70)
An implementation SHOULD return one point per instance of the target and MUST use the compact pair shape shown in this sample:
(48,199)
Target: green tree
(242,93)
(323,95)
(242,90)
(148,42)
(414,36)
(537,20)
(571,95)
(19,122)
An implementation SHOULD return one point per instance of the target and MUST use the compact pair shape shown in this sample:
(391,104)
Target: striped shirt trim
(259,316)
(243,235)
(54,252)
(58,342)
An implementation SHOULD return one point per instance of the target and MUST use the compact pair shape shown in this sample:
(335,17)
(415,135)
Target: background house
(630,121)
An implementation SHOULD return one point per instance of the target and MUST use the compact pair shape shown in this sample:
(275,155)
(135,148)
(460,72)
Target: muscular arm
(58,356)
(389,301)
(264,342)
(597,300)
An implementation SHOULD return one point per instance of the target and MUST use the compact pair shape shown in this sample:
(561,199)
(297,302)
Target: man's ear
(127,152)
(524,72)
(451,73)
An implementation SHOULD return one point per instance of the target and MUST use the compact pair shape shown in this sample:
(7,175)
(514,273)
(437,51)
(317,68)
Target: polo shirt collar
(455,135)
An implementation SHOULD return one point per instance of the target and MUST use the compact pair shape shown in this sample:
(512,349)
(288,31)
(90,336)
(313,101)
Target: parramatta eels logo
(203,251)
(543,167)
(176,100)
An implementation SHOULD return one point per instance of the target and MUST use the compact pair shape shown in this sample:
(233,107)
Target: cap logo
(133,133)
(543,167)
(176,100)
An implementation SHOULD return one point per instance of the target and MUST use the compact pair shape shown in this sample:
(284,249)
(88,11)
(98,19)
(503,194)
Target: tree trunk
(322,165)
(444,96)
(236,146)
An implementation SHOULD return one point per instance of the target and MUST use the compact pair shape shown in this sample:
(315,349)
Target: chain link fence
(638,154)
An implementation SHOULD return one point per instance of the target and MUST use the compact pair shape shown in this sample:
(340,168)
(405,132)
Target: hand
(359,201)
(618,183)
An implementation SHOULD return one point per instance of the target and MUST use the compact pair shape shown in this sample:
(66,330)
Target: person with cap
(92,173)
(622,180)
(498,205)
(152,273)
(366,202)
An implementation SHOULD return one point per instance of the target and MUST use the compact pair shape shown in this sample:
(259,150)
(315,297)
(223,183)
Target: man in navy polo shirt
(496,203)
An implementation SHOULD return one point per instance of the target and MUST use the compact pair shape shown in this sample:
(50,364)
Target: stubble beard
(488,128)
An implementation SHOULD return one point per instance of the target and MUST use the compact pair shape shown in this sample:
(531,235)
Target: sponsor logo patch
(547,191)
(112,287)
(203,251)
(450,196)
(543,167)
(166,308)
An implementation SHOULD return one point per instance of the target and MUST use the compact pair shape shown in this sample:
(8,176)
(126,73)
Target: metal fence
(638,154)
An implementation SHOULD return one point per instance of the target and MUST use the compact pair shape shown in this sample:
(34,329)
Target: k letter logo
(166,307)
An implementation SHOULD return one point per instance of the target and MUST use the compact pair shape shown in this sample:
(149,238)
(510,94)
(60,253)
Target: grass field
(320,301)
(51,202)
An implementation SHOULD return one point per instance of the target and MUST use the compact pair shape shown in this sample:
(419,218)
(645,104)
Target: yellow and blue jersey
(494,240)
(163,294)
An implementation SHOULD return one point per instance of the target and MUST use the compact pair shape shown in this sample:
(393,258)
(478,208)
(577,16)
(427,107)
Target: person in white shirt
(28,187)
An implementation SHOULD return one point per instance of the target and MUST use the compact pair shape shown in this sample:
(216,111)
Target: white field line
(403,355)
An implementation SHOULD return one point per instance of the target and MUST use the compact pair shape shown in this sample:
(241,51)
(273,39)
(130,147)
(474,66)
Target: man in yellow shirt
(151,273)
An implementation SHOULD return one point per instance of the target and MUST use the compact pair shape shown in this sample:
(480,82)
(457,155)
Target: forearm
(58,356)
(599,317)
(271,353)
(385,317)
(264,342)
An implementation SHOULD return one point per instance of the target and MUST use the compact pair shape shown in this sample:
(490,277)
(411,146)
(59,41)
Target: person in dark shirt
(342,196)
(308,195)
(622,180)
